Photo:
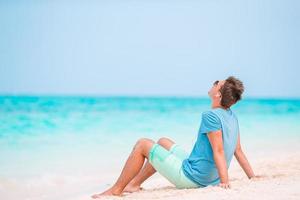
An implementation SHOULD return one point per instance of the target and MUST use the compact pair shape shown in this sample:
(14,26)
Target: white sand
(281,180)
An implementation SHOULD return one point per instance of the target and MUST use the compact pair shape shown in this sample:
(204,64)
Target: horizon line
(137,96)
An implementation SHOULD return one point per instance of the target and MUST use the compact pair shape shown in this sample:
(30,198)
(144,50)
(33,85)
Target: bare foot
(108,192)
(130,188)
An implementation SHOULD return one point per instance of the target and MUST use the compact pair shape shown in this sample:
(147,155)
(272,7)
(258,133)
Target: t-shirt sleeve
(210,122)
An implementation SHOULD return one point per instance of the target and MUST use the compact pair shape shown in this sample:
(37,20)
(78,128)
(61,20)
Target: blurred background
(81,81)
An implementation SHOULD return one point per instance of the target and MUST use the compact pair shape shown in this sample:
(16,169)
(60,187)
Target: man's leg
(132,167)
(147,170)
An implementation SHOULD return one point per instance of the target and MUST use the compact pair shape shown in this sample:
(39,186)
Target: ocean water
(59,147)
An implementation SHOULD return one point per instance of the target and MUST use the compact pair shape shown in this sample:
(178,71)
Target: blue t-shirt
(200,166)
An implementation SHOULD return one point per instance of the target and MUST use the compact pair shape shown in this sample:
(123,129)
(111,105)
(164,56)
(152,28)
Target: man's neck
(217,105)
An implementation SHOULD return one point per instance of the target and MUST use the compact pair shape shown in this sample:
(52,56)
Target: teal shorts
(169,165)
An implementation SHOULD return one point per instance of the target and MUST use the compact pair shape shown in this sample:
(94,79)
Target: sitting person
(218,140)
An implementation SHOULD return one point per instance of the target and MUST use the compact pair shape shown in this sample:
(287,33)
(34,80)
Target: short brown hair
(231,91)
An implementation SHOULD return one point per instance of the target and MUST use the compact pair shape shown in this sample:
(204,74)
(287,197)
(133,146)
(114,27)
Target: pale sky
(161,48)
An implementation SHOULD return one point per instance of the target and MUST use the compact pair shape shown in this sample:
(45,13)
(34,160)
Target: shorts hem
(151,152)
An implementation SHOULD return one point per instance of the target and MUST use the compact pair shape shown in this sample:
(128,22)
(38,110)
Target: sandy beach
(280,180)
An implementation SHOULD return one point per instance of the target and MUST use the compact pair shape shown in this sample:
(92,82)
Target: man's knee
(165,142)
(143,143)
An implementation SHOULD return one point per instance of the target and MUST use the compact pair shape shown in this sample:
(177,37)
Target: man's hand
(224,185)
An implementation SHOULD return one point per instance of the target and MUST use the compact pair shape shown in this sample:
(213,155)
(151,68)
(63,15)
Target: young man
(218,140)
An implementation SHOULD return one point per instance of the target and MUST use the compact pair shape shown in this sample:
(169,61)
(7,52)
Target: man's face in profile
(214,92)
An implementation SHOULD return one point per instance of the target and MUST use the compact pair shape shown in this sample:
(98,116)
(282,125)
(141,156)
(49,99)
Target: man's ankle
(116,190)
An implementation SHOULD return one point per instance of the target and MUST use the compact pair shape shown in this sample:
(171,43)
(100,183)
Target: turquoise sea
(58,146)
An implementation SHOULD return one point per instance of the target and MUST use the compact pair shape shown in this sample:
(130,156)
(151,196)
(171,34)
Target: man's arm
(241,158)
(216,141)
